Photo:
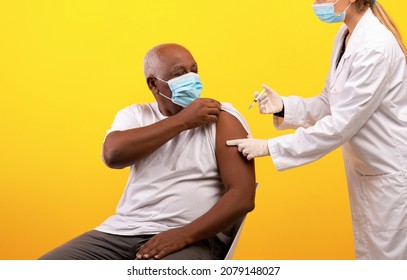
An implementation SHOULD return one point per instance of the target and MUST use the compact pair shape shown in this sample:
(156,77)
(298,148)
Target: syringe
(256,99)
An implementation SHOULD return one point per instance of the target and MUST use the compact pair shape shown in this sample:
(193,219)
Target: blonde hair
(384,18)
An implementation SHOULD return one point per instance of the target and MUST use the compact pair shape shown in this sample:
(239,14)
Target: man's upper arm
(236,171)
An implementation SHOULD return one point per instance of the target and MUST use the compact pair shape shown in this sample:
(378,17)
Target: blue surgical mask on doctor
(184,89)
(326,12)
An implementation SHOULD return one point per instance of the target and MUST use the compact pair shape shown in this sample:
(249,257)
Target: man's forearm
(124,148)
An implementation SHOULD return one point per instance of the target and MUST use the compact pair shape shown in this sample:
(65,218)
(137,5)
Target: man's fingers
(163,252)
(147,253)
(213,111)
(211,119)
(212,103)
(146,250)
(141,253)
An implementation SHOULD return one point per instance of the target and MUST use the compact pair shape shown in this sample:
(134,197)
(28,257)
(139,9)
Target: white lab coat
(364,108)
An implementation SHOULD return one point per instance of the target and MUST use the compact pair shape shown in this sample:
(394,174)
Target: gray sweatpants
(96,245)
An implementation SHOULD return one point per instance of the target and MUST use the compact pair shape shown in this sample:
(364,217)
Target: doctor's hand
(162,244)
(250,147)
(269,102)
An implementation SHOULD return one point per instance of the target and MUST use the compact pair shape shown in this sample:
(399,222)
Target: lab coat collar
(356,39)
(355,42)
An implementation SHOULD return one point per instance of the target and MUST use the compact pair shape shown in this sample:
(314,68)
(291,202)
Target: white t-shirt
(174,185)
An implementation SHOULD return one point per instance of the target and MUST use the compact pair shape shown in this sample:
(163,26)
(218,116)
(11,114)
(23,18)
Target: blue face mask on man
(184,89)
(326,12)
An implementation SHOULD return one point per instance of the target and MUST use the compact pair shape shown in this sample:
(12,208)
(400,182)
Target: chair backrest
(235,233)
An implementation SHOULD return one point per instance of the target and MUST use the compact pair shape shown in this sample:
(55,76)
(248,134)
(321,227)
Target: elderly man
(186,187)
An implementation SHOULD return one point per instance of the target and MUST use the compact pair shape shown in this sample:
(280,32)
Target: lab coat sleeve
(303,112)
(351,107)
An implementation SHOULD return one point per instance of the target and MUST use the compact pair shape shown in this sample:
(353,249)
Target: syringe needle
(256,99)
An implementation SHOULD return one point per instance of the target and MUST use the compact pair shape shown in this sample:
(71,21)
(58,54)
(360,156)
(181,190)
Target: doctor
(363,107)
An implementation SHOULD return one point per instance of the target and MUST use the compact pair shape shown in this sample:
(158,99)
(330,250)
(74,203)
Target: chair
(235,233)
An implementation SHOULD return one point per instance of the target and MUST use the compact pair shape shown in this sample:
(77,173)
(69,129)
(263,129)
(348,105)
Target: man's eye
(179,74)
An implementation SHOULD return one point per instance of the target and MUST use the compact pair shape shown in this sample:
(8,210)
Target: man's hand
(163,244)
(250,147)
(201,111)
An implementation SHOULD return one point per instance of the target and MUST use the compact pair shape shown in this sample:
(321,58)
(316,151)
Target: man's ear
(152,85)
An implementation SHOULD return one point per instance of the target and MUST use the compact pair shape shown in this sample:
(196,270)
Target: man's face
(174,61)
